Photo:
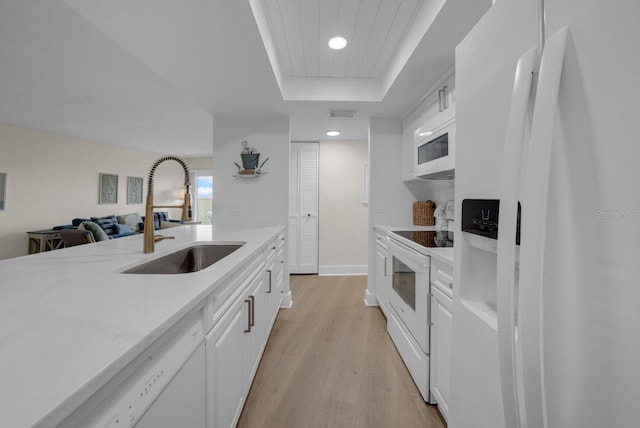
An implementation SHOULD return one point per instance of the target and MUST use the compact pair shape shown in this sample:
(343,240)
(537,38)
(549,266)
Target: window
(203,197)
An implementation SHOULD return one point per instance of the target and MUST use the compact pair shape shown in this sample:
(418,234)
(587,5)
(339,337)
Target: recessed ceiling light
(337,43)
(333,133)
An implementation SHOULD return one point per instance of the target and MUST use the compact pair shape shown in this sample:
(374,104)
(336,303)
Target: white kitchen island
(70,322)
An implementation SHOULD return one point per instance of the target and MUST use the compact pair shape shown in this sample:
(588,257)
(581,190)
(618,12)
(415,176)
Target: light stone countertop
(444,254)
(69,321)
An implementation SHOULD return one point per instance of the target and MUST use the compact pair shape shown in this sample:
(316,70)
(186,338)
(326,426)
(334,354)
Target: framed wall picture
(108,189)
(3,191)
(134,190)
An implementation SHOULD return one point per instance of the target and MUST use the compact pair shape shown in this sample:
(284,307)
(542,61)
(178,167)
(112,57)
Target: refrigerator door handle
(506,275)
(534,215)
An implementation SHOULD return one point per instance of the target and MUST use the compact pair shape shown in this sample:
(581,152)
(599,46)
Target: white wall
(438,191)
(343,218)
(390,202)
(200,163)
(261,201)
(53,179)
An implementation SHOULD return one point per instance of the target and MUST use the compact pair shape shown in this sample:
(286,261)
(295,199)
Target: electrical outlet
(379,207)
(235,210)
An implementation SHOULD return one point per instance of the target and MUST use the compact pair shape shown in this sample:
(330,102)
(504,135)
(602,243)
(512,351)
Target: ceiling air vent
(342,113)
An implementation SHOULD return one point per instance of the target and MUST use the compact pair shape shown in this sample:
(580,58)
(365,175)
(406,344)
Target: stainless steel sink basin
(190,259)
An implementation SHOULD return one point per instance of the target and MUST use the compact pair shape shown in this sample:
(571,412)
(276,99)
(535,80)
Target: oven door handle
(408,254)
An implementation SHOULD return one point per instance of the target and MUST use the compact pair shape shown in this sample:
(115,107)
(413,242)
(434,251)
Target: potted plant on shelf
(250,158)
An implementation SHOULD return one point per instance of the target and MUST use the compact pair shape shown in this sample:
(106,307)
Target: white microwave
(434,151)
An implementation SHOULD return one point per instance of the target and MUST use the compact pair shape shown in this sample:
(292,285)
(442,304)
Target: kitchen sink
(187,260)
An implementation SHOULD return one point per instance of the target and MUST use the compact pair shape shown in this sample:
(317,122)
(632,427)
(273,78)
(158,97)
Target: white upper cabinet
(437,108)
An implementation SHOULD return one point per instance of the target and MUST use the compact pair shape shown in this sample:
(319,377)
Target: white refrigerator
(547,333)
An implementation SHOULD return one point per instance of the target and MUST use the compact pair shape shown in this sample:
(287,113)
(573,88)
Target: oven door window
(404,282)
(434,149)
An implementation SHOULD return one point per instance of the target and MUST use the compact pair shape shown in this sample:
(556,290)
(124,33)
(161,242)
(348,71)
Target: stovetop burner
(428,238)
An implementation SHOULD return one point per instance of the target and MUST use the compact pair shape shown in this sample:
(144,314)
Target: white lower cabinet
(381,276)
(442,320)
(275,276)
(237,341)
(225,369)
(259,326)
(383,279)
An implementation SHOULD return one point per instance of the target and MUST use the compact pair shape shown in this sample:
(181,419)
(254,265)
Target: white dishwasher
(182,403)
(167,391)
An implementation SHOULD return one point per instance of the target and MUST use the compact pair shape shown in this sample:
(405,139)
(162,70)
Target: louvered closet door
(303,208)
(294,202)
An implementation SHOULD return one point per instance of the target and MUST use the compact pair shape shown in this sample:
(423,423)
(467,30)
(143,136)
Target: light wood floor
(330,363)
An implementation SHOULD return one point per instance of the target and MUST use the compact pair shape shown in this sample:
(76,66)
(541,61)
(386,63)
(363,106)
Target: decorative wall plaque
(108,189)
(134,190)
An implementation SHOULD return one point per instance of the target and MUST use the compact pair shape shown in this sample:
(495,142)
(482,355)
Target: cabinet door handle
(269,290)
(248,329)
(440,103)
(253,311)
(385,266)
(445,102)
(429,301)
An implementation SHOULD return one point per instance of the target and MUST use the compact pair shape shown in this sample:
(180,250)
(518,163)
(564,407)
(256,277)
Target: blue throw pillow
(78,221)
(106,223)
(98,233)
(158,218)
(123,229)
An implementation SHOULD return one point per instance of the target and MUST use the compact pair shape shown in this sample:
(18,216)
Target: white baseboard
(342,270)
(370,299)
(287,302)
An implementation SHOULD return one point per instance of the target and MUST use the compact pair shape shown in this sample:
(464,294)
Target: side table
(44,240)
